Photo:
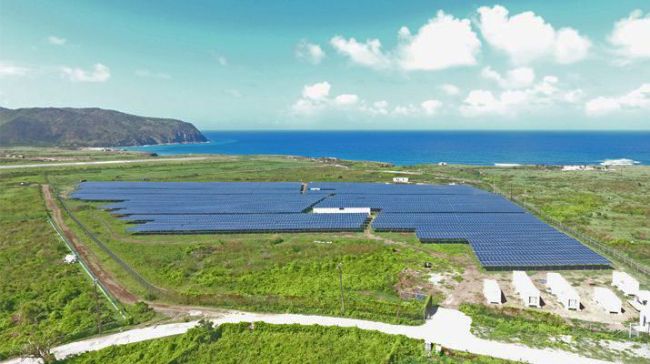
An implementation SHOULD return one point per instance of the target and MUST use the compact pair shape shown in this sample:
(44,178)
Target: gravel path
(449,328)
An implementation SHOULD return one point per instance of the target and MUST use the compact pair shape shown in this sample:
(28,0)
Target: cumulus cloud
(316,99)
(450,89)
(526,37)
(443,42)
(346,99)
(99,73)
(631,36)
(316,91)
(515,78)
(511,102)
(8,69)
(431,107)
(638,99)
(312,53)
(366,53)
(58,41)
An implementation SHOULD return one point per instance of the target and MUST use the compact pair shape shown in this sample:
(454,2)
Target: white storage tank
(563,291)
(491,291)
(607,299)
(625,282)
(526,289)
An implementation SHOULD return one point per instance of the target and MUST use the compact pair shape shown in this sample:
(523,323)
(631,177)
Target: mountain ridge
(90,127)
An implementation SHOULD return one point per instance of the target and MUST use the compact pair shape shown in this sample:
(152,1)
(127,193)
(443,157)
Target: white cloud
(515,78)
(367,54)
(431,107)
(145,73)
(511,102)
(312,53)
(99,73)
(315,100)
(58,41)
(346,99)
(526,36)
(631,36)
(223,61)
(638,99)
(450,89)
(443,42)
(316,91)
(10,69)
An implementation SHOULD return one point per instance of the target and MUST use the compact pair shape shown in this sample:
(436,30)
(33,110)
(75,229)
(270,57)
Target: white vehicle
(526,289)
(492,291)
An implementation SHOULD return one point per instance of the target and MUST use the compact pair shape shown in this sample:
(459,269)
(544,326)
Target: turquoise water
(413,147)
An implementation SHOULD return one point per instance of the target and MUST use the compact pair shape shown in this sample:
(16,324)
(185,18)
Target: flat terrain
(383,273)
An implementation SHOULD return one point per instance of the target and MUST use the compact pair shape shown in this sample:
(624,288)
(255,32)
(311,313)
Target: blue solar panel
(502,234)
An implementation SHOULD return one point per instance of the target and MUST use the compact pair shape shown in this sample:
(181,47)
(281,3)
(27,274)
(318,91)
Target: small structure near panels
(341,210)
(625,283)
(492,291)
(400,180)
(565,293)
(526,289)
(644,319)
(607,299)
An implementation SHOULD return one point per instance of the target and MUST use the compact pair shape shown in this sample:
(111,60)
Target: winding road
(447,327)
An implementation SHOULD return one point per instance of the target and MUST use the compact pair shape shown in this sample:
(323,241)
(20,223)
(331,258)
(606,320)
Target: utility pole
(340,269)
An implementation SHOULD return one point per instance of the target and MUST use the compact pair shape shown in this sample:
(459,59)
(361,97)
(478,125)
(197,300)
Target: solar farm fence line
(643,269)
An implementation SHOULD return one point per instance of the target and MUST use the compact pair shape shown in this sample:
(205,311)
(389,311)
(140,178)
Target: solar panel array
(502,234)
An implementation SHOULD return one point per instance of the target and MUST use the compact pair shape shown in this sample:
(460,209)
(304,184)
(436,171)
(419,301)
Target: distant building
(625,283)
(527,291)
(492,291)
(400,180)
(341,210)
(607,299)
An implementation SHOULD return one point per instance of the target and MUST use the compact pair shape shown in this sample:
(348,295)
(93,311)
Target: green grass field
(275,272)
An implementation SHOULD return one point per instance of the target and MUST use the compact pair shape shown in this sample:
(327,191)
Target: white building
(607,299)
(563,291)
(491,291)
(341,210)
(526,289)
(400,180)
(70,258)
(625,283)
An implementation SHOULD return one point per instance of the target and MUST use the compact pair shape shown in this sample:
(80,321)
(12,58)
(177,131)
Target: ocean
(415,147)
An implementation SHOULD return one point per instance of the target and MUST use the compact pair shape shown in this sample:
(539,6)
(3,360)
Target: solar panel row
(502,234)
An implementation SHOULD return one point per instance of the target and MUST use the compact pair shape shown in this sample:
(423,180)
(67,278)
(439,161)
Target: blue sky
(334,64)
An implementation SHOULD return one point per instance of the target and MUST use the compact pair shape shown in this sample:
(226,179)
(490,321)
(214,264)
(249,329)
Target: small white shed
(341,210)
(492,291)
(400,180)
(565,293)
(70,259)
(625,283)
(526,289)
(607,300)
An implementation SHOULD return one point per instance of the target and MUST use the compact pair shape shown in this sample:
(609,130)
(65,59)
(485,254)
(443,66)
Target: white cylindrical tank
(491,291)
(526,289)
(607,299)
(625,283)
(565,293)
